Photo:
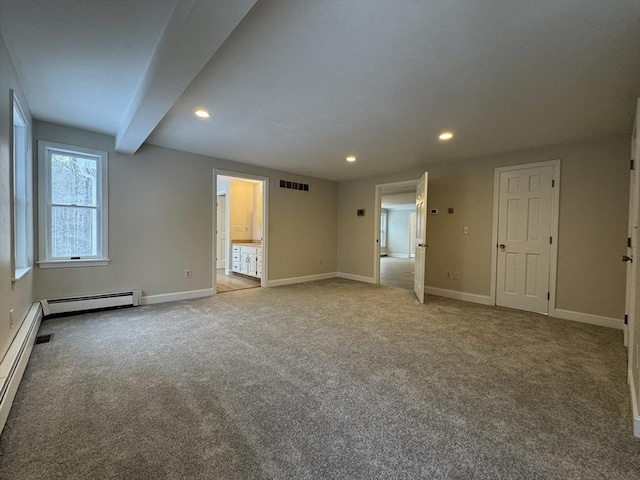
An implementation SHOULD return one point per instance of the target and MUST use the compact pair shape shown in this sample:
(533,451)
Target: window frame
(45,151)
(21,185)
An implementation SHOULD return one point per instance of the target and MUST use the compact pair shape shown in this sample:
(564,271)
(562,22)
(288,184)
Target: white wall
(19,296)
(241,213)
(593,223)
(398,236)
(160,222)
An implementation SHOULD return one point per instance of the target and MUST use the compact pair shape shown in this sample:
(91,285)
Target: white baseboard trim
(176,296)
(635,408)
(307,278)
(357,278)
(398,255)
(588,318)
(457,295)
(15,361)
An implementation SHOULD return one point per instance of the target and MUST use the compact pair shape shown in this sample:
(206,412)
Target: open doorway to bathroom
(239,231)
(397,221)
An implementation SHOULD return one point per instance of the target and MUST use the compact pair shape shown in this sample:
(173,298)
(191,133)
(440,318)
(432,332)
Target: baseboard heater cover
(15,360)
(91,302)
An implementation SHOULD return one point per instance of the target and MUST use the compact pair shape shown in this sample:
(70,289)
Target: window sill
(102,262)
(19,274)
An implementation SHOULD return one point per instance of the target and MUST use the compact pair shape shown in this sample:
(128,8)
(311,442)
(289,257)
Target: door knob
(422,244)
(502,246)
(627,258)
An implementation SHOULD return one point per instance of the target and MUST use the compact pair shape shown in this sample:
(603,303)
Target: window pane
(74,232)
(73,180)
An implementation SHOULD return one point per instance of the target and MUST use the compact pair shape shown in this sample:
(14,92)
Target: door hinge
(626,319)
(550,240)
(628,242)
(548,295)
(553,183)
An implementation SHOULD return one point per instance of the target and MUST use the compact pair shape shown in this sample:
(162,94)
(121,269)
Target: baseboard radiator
(91,302)
(15,361)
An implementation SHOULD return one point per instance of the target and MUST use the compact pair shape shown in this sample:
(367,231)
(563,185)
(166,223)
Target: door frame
(380,187)
(555,211)
(265,222)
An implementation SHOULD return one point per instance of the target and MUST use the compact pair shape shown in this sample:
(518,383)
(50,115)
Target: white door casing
(525,214)
(421,237)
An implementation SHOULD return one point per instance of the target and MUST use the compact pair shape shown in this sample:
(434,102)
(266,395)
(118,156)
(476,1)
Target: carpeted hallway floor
(324,380)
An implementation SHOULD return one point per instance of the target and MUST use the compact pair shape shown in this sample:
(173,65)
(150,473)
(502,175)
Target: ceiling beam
(194,32)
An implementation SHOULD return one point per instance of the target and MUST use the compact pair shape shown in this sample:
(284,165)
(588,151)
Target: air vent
(294,185)
(44,338)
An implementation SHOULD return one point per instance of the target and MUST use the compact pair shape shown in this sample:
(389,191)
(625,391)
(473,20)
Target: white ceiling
(299,84)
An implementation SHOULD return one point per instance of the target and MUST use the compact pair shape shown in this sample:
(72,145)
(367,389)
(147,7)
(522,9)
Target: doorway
(240,231)
(394,262)
(525,225)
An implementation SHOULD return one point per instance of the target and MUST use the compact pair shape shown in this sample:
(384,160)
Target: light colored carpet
(324,380)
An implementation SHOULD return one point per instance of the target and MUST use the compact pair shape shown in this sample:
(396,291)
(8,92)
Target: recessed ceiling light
(202,113)
(446,136)
(351,158)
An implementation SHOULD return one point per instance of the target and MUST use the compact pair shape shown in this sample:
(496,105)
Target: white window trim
(20,272)
(44,221)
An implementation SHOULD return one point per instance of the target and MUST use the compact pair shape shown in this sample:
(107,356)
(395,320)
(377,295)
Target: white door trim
(555,209)
(265,221)
(380,187)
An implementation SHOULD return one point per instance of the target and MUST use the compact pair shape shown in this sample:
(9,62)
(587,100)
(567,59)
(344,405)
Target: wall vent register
(294,185)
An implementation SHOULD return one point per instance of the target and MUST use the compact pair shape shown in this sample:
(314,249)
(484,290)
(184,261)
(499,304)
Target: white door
(421,237)
(632,237)
(221,222)
(524,238)
(632,329)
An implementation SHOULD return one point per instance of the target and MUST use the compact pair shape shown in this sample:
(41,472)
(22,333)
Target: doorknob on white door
(502,246)
(627,258)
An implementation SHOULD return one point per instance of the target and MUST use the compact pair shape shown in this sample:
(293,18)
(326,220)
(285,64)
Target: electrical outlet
(11,318)
(465,230)
(187,273)
(448,275)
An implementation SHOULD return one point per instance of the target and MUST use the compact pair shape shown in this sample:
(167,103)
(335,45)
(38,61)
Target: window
(73,206)
(22,234)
